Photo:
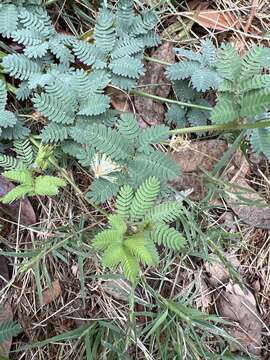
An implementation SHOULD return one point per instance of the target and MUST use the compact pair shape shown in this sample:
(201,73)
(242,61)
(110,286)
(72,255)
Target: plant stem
(220,127)
(65,175)
(157,61)
(170,101)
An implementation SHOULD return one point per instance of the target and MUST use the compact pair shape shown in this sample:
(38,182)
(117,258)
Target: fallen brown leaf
(193,160)
(252,214)
(18,210)
(52,293)
(119,100)
(204,294)
(239,306)
(217,272)
(214,19)
(149,111)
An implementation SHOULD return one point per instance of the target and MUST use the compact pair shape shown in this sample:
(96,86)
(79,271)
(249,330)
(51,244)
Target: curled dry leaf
(216,270)
(52,293)
(18,210)
(193,160)
(149,111)
(239,306)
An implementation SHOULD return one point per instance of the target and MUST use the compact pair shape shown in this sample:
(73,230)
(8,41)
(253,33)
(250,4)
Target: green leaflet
(260,141)
(133,230)
(200,68)
(8,19)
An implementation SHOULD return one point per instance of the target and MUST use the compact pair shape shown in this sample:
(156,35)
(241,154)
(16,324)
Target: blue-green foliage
(58,89)
(72,98)
(184,116)
(200,68)
(129,155)
(9,123)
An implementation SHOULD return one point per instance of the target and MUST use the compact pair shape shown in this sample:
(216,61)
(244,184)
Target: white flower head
(102,166)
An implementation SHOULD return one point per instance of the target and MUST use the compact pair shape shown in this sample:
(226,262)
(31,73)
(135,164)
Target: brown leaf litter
(256,211)
(218,273)
(236,305)
(19,210)
(203,155)
(193,160)
(154,82)
(51,293)
(239,306)
(6,313)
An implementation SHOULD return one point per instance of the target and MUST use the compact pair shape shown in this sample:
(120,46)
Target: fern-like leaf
(38,21)
(8,162)
(205,79)
(89,54)
(106,238)
(224,111)
(102,190)
(8,329)
(127,66)
(48,185)
(104,31)
(7,119)
(153,135)
(117,223)
(3,95)
(53,109)
(127,47)
(27,37)
(229,62)
(167,212)
(260,141)
(176,115)
(252,62)
(36,51)
(94,104)
(104,139)
(20,176)
(158,164)
(24,151)
(128,126)
(8,19)
(255,102)
(23,92)
(144,197)
(123,82)
(20,66)
(130,266)
(61,52)
(15,194)
(124,200)
(113,255)
(18,131)
(165,235)
(53,133)
(182,70)
(142,248)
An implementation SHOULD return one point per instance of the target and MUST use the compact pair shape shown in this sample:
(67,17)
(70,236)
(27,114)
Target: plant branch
(220,127)
(157,61)
(170,101)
